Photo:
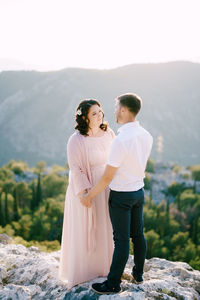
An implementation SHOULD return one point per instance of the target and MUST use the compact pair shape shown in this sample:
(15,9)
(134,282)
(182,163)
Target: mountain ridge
(37,108)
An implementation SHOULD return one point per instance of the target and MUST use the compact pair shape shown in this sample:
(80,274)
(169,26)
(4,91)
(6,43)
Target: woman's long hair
(81,117)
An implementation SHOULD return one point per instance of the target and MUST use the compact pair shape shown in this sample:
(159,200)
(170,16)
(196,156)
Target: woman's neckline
(96,136)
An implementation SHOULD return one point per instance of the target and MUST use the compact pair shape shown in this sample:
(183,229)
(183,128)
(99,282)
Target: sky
(56,34)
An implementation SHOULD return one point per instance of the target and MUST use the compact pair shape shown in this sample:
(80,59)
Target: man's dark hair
(131,101)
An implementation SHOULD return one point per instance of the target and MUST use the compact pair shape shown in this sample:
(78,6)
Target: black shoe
(137,278)
(102,288)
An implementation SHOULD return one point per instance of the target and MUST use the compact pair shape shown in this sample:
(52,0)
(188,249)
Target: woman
(87,243)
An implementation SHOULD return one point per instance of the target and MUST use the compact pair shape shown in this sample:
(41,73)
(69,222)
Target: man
(124,174)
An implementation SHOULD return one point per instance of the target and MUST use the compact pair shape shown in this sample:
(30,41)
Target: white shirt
(129,152)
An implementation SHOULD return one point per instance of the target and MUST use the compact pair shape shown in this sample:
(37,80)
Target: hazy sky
(54,34)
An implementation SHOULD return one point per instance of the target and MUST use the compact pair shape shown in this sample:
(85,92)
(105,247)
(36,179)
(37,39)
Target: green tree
(2,222)
(23,194)
(195,170)
(150,167)
(18,167)
(150,218)
(7,188)
(167,195)
(33,202)
(23,226)
(167,211)
(15,205)
(190,251)
(187,198)
(182,247)
(180,239)
(5,173)
(155,244)
(148,185)
(54,210)
(57,169)
(175,190)
(176,169)
(185,176)
(41,226)
(147,181)
(38,191)
(162,224)
(196,222)
(195,261)
(180,217)
(40,167)
(53,185)
(7,230)
(195,230)
(198,232)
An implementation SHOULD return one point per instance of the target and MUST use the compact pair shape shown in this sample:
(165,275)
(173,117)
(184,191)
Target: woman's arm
(100,186)
(75,160)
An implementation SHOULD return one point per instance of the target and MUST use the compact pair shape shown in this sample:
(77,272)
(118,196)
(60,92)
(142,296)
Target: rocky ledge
(28,273)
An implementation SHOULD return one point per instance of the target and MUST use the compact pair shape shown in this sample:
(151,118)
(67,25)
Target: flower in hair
(79,112)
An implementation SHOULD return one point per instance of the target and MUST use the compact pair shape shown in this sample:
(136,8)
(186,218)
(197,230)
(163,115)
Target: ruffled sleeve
(77,175)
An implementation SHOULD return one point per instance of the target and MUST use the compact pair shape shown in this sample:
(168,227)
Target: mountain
(28,273)
(37,108)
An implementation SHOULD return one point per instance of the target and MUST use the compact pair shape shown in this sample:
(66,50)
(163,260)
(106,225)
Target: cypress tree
(178,202)
(2,222)
(7,188)
(151,192)
(15,205)
(33,200)
(38,191)
(167,211)
(7,220)
(195,230)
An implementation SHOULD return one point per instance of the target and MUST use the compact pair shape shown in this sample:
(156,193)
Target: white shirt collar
(128,125)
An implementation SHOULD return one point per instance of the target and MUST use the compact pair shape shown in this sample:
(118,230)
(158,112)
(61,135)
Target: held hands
(85,199)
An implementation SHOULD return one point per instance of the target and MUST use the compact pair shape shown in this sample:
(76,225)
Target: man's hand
(100,186)
(86,201)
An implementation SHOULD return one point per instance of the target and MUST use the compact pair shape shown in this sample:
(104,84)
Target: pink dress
(87,239)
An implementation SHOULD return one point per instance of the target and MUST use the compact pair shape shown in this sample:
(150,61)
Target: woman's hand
(84,192)
(86,201)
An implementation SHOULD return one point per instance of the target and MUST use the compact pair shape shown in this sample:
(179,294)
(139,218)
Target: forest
(32,206)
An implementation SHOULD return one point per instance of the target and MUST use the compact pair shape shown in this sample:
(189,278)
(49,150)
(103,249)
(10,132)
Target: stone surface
(28,273)
(5,239)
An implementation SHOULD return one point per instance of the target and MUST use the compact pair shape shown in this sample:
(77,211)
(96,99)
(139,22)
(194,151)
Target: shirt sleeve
(117,153)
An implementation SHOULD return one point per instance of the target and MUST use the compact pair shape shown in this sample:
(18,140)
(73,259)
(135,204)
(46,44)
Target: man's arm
(100,186)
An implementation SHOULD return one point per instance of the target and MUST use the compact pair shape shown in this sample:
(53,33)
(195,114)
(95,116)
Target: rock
(28,273)
(5,239)
(3,275)
(15,292)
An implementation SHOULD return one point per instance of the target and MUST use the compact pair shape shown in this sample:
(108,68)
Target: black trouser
(126,214)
